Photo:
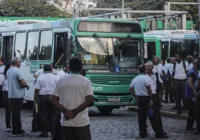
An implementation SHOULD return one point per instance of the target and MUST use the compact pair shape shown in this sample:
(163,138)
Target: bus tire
(105,110)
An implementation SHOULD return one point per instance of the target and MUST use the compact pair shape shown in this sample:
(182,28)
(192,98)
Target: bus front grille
(111,80)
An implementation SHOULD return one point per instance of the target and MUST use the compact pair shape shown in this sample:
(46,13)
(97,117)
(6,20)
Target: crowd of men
(62,100)
(63,97)
(179,80)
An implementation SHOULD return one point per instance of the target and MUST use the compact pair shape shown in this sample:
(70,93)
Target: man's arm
(89,101)
(55,101)
(149,91)
(35,76)
(190,83)
(131,90)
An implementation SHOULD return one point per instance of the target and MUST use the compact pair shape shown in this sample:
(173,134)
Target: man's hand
(150,103)
(27,87)
(70,115)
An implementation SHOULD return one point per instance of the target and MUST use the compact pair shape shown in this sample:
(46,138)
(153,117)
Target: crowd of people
(62,112)
(62,97)
(179,80)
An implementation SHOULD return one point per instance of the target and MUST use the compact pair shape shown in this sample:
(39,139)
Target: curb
(163,113)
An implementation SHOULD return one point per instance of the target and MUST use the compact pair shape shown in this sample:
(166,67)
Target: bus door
(60,49)
(7,47)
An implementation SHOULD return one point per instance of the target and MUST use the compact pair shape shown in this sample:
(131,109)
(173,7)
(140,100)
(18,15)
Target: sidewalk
(167,112)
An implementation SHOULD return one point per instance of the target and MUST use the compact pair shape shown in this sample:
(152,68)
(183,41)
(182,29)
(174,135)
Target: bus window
(164,48)
(194,48)
(45,45)
(151,50)
(32,45)
(20,45)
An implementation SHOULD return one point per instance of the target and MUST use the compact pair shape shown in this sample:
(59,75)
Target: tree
(29,8)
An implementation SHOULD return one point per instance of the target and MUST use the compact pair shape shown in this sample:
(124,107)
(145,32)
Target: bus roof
(170,32)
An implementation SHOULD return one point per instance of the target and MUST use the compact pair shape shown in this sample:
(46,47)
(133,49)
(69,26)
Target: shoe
(16,135)
(22,132)
(197,132)
(166,102)
(189,128)
(144,136)
(43,136)
(179,112)
(164,136)
(172,101)
(174,108)
(8,129)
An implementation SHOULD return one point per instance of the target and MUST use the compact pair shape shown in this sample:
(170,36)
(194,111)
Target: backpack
(184,66)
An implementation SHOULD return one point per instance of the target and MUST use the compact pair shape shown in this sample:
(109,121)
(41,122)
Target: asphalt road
(121,125)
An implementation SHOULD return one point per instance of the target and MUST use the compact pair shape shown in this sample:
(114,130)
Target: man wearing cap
(43,90)
(16,93)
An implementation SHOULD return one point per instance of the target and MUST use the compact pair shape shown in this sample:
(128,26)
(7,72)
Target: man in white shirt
(41,71)
(73,95)
(157,69)
(156,120)
(190,61)
(180,69)
(140,87)
(167,75)
(43,90)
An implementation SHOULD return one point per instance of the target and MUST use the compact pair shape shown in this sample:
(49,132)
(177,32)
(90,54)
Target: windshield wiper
(101,45)
(124,42)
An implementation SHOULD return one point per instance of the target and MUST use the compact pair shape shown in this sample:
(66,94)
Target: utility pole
(123,9)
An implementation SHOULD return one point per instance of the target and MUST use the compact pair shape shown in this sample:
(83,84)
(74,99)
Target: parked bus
(110,50)
(166,43)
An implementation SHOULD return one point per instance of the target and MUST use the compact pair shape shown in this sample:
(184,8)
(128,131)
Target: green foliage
(29,8)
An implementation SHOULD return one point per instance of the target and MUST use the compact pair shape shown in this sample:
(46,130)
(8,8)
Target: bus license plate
(114,99)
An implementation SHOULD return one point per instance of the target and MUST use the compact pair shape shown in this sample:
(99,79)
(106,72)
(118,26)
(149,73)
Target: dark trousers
(76,133)
(7,109)
(57,127)
(1,96)
(143,105)
(46,114)
(197,113)
(180,94)
(156,120)
(191,115)
(168,92)
(16,115)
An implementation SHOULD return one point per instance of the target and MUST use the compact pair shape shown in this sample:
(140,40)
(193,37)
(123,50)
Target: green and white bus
(166,43)
(110,50)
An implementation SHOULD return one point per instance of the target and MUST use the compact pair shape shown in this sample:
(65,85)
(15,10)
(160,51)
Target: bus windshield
(184,47)
(112,52)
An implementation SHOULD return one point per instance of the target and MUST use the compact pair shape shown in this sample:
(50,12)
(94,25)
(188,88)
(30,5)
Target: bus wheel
(105,110)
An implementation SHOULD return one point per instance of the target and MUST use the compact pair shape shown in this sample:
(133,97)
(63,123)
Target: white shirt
(46,83)
(41,71)
(167,67)
(4,84)
(72,90)
(180,73)
(140,84)
(190,65)
(158,69)
(153,82)
(61,73)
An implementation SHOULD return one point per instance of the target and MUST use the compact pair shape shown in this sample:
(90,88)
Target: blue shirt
(15,90)
(194,75)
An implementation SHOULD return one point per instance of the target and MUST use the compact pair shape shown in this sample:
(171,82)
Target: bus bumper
(114,101)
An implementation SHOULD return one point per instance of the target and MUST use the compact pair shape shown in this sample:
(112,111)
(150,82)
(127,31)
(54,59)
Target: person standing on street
(57,125)
(191,94)
(190,61)
(43,90)
(16,93)
(167,75)
(180,69)
(140,87)
(156,120)
(6,100)
(157,69)
(73,95)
